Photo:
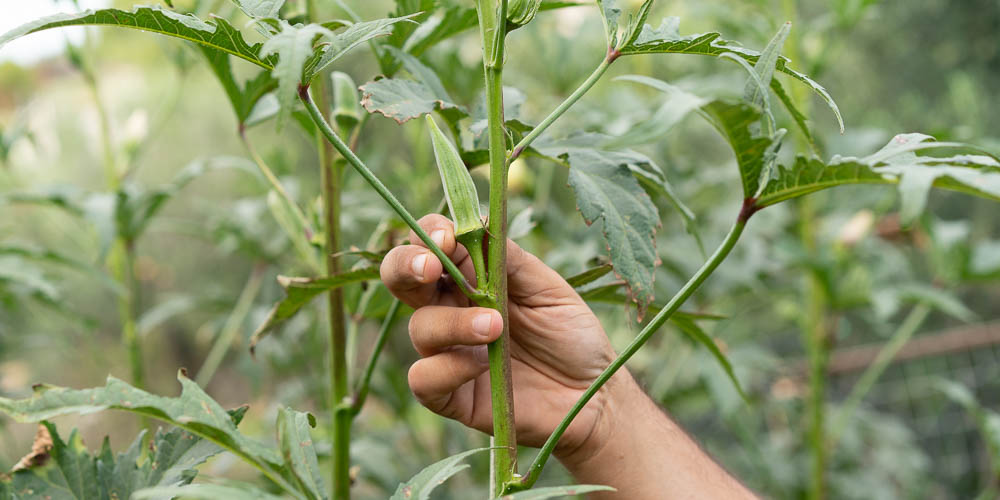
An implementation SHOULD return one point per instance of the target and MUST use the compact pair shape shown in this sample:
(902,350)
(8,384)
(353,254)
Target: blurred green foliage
(929,65)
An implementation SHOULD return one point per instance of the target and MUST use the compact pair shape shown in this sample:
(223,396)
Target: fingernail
(481,354)
(438,237)
(481,324)
(419,262)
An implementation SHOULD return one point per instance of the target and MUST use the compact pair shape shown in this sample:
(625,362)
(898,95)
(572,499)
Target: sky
(31,48)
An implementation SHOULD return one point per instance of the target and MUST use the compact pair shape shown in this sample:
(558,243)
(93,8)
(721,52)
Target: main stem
(492,26)
(647,332)
(331,176)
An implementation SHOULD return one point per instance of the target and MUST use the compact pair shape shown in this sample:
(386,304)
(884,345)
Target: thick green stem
(231,327)
(362,169)
(492,24)
(564,106)
(364,384)
(331,177)
(899,338)
(644,335)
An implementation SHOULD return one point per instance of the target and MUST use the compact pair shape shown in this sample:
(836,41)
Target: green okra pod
(463,199)
(346,102)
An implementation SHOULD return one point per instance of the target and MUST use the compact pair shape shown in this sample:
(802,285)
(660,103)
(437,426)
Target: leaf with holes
(296,446)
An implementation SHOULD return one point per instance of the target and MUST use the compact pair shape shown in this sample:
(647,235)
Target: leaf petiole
(478,296)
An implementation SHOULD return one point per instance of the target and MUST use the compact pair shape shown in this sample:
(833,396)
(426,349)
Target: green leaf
(666,39)
(216,34)
(243,98)
(193,411)
(607,191)
(260,8)
(696,334)
(756,89)
(293,45)
(555,492)
(610,12)
(296,445)
(736,122)
(67,470)
(54,257)
(205,491)
(588,276)
(300,291)
(987,420)
(404,100)
(896,163)
(419,487)
(678,105)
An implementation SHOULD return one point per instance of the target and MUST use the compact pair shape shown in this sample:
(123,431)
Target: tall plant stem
(331,175)
(863,386)
(492,28)
(644,335)
(352,159)
(563,106)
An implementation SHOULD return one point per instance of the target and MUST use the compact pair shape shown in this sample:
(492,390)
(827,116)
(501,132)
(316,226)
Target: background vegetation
(928,65)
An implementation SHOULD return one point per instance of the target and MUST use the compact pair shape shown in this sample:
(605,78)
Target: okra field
(784,214)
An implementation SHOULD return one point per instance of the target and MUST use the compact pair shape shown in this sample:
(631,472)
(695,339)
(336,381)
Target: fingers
(411,272)
(437,328)
(437,380)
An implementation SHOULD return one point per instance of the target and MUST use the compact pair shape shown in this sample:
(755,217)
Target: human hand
(558,346)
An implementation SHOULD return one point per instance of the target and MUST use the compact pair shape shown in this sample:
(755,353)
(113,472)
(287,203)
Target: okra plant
(300,82)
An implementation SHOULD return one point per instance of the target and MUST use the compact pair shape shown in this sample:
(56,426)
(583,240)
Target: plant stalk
(644,335)
(331,178)
(902,335)
(364,384)
(563,106)
(477,296)
(492,26)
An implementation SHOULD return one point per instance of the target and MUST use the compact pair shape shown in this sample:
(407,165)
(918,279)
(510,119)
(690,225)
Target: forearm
(642,453)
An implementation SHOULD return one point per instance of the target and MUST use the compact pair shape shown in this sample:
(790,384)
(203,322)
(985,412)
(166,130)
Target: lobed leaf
(260,8)
(216,34)
(419,487)
(403,100)
(666,39)
(194,411)
(67,470)
(300,291)
(896,163)
(607,191)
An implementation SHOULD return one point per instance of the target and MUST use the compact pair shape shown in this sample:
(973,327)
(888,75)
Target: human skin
(558,347)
